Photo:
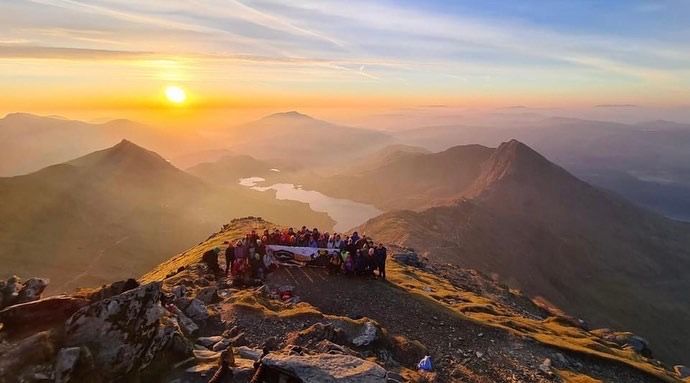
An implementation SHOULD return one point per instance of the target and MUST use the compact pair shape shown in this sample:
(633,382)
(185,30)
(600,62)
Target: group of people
(249,257)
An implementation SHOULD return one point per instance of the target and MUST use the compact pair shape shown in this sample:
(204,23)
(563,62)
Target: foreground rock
(41,314)
(13,291)
(327,368)
(128,333)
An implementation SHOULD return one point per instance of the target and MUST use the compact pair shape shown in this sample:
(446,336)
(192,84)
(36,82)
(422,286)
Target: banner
(300,256)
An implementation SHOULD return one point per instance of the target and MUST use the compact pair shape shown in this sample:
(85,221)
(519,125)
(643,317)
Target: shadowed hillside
(117,212)
(553,235)
(407,179)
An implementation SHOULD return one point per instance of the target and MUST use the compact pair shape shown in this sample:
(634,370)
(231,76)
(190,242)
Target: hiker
(229,257)
(312,242)
(354,237)
(335,262)
(380,255)
(210,257)
(239,264)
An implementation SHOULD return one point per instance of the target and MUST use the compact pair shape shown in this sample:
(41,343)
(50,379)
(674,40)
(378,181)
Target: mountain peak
(293,114)
(123,155)
(517,161)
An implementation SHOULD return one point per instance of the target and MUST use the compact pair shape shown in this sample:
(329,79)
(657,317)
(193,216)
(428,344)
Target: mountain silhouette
(117,212)
(544,231)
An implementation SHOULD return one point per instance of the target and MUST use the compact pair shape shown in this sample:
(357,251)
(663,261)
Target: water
(347,214)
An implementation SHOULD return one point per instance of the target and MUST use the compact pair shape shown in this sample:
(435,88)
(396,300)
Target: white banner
(298,255)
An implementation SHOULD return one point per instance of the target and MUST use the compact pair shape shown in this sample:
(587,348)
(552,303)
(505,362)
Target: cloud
(615,106)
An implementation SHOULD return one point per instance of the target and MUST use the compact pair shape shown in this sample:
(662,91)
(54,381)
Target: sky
(115,58)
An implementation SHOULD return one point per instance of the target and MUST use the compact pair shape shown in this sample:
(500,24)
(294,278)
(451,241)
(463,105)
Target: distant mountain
(545,231)
(297,139)
(187,160)
(656,151)
(115,213)
(29,142)
(405,179)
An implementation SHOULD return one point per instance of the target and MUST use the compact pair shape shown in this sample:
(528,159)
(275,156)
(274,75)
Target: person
(335,262)
(239,263)
(381,255)
(312,242)
(229,257)
(354,237)
(361,241)
(210,258)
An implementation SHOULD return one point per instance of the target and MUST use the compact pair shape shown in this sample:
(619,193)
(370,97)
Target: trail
(92,264)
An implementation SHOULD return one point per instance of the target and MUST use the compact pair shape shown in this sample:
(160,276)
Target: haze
(522,168)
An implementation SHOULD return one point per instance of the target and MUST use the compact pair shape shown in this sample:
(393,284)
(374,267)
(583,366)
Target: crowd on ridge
(352,255)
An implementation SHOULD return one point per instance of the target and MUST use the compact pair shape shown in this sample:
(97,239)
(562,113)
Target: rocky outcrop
(327,368)
(32,350)
(128,332)
(13,291)
(41,314)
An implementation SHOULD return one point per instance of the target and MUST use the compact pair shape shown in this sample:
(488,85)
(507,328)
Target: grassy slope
(463,304)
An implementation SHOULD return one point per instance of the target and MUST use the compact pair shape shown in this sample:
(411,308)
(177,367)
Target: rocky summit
(184,323)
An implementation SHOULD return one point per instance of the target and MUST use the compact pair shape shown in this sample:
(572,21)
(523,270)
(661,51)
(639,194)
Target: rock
(639,345)
(545,367)
(394,377)
(238,340)
(129,334)
(367,336)
(109,291)
(682,371)
(74,364)
(479,354)
(10,291)
(249,353)
(232,332)
(179,291)
(189,328)
(41,314)
(32,289)
(197,311)
(221,345)
(327,368)
(208,341)
(35,349)
(560,360)
(208,295)
(203,282)
(206,355)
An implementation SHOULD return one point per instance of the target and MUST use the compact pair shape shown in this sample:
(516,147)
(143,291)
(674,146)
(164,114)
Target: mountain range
(115,213)
(552,235)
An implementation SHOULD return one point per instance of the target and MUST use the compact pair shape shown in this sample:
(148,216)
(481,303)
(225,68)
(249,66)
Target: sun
(175,94)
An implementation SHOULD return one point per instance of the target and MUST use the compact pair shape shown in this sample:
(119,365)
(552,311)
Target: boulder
(188,327)
(74,364)
(208,295)
(368,335)
(327,368)
(41,314)
(208,341)
(35,349)
(221,345)
(115,288)
(197,311)
(127,333)
(179,291)
(32,289)
(249,353)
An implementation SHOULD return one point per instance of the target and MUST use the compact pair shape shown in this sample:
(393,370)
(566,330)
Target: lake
(347,214)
